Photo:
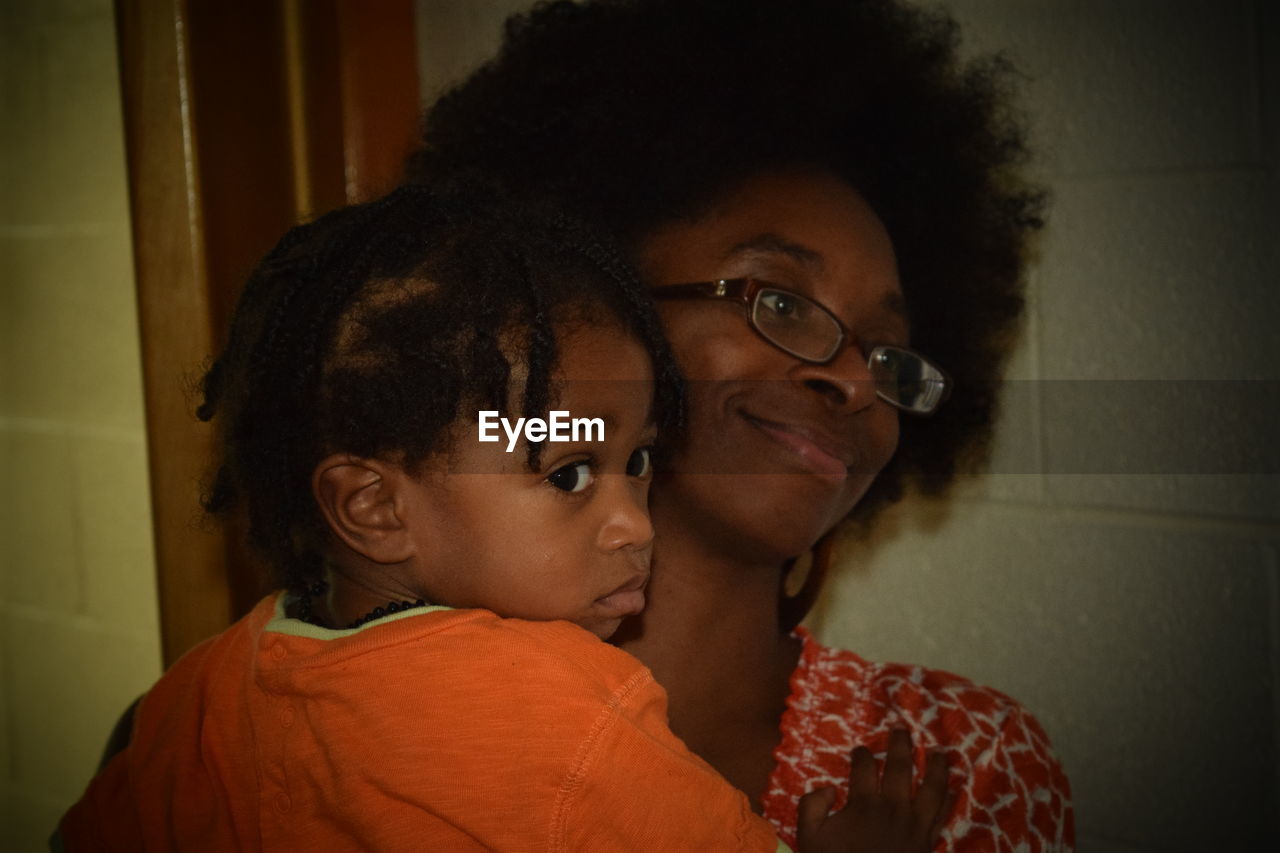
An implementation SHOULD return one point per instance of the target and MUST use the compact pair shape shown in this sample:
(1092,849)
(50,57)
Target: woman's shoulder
(1009,780)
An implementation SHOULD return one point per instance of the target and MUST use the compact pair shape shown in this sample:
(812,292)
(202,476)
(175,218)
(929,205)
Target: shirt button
(278,652)
(283,803)
(286,717)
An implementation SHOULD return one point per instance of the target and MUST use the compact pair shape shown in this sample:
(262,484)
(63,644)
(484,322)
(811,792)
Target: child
(425,681)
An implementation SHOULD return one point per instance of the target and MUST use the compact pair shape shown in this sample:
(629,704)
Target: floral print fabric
(1011,793)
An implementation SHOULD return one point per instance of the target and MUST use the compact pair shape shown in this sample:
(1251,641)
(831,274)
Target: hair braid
(373,329)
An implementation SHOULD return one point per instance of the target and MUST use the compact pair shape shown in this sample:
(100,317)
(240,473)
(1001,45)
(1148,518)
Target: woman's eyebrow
(775,244)
(769,242)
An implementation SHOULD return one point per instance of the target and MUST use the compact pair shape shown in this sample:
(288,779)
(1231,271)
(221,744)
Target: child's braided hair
(371,331)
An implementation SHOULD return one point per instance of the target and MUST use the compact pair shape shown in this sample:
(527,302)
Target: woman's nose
(626,524)
(845,382)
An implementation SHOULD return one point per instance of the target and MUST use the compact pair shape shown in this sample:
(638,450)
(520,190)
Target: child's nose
(627,523)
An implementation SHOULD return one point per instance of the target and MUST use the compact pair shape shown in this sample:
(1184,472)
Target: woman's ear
(361,502)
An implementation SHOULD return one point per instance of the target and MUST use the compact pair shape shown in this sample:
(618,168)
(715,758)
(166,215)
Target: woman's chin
(766,517)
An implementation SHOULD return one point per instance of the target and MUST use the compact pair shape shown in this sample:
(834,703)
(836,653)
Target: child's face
(569,541)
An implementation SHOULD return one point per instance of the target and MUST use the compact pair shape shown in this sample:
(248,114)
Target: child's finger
(812,811)
(932,795)
(863,778)
(898,767)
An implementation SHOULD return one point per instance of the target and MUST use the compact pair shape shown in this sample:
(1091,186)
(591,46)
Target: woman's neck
(711,636)
(710,631)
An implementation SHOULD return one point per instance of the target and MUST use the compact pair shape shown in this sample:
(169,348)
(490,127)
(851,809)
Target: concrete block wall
(1133,605)
(79,635)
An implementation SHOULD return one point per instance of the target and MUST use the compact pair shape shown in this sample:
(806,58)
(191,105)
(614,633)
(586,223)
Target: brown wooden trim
(315,103)
(242,117)
(174,313)
(379,67)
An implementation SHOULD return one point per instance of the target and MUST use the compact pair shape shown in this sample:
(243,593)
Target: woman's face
(777,450)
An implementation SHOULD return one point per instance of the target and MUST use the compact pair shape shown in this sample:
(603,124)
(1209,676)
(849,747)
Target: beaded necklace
(319,588)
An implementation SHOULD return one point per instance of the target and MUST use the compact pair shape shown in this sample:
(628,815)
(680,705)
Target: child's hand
(881,815)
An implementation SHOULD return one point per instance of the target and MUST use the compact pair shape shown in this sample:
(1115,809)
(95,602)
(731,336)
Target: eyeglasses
(809,331)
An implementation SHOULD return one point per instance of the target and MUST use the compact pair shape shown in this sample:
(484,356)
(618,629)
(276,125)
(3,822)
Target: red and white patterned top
(1011,793)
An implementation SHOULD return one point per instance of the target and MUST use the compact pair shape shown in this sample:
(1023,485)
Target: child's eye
(573,477)
(640,464)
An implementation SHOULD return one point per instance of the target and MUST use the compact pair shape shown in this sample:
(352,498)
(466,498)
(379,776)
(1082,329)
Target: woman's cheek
(886,430)
(707,354)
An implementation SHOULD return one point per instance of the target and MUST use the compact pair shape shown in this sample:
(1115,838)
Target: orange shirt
(429,730)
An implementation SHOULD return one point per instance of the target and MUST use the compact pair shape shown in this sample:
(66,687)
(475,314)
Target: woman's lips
(812,450)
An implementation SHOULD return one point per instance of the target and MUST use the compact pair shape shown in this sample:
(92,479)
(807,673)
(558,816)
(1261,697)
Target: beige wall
(78,629)
(456,35)
(1135,613)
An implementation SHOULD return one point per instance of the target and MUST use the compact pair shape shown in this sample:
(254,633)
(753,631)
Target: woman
(819,191)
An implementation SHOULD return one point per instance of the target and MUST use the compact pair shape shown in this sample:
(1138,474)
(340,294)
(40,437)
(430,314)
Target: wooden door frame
(242,117)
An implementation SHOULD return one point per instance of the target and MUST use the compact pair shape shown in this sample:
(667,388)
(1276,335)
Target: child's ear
(361,500)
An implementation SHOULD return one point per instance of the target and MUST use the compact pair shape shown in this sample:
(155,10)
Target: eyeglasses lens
(795,324)
(807,330)
(907,380)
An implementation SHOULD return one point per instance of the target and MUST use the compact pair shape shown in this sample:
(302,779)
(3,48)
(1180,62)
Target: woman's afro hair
(374,329)
(639,113)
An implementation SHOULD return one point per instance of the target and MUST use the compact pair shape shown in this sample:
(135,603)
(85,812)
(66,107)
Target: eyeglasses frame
(745,290)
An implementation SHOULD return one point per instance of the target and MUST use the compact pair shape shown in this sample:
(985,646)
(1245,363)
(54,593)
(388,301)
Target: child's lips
(628,599)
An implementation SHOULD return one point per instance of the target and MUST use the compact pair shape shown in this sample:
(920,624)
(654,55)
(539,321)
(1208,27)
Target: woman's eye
(780,304)
(573,477)
(641,463)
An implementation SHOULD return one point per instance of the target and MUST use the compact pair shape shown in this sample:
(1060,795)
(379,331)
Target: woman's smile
(813,448)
